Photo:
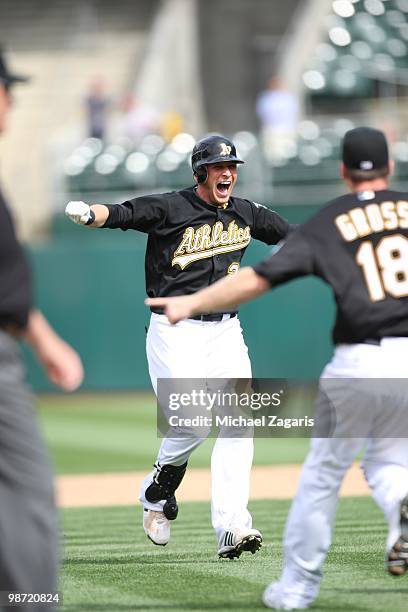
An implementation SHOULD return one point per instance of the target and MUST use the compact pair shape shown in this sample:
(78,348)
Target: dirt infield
(267,482)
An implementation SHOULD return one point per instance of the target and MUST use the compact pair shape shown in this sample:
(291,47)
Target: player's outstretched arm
(226,293)
(82,214)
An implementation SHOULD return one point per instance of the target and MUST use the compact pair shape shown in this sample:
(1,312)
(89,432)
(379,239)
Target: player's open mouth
(223,187)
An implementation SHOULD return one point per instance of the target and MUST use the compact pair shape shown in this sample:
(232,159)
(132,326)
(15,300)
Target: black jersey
(358,244)
(192,244)
(15,279)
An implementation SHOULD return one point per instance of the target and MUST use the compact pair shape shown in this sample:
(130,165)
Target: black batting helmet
(212,150)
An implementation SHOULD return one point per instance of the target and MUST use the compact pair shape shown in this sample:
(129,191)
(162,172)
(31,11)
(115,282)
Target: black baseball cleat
(237,541)
(397,561)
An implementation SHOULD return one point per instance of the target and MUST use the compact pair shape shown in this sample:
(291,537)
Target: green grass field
(110,565)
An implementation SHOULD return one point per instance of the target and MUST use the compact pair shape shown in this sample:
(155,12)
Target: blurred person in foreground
(358,244)
(28,517)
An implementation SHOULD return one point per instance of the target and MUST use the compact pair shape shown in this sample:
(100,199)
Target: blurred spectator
(277,109)
(97,105)
(139,119)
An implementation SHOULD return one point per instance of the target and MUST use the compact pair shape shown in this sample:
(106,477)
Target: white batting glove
(79,213)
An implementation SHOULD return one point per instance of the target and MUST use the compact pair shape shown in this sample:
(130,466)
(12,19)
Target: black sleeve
(145,214)
(268,226)
(292,260)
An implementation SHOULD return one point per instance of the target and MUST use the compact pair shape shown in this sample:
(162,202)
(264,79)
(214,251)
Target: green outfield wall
(90,284)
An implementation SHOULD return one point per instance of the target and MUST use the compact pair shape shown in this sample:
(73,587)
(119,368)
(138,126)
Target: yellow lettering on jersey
(346,227)
(216,233)
(359,219)
(233,268)
(198,239)
(402,210)
(186,242)
(241,235)
(205,242)
(225,239)
(372,219)
(389,215)
(206,236)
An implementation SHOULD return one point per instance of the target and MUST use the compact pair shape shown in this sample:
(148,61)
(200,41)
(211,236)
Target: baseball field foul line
(267,482)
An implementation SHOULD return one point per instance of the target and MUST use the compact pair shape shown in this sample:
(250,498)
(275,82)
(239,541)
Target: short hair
(357,176)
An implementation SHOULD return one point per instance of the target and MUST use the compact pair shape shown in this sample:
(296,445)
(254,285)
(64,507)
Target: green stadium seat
(375,44)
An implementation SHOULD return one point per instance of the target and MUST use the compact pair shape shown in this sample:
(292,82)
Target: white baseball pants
(309,526)
(205,350)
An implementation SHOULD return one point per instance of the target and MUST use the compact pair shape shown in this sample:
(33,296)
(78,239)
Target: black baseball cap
(6,77)
(365,148)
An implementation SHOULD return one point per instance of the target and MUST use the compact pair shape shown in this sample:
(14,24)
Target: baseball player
(28,515)
(196,236)
(358,244)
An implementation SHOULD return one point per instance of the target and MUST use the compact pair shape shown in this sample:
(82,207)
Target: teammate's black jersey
(358,244)
(15,278)
(192,244)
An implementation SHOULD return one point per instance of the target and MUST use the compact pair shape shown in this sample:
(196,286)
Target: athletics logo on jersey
(207,241)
